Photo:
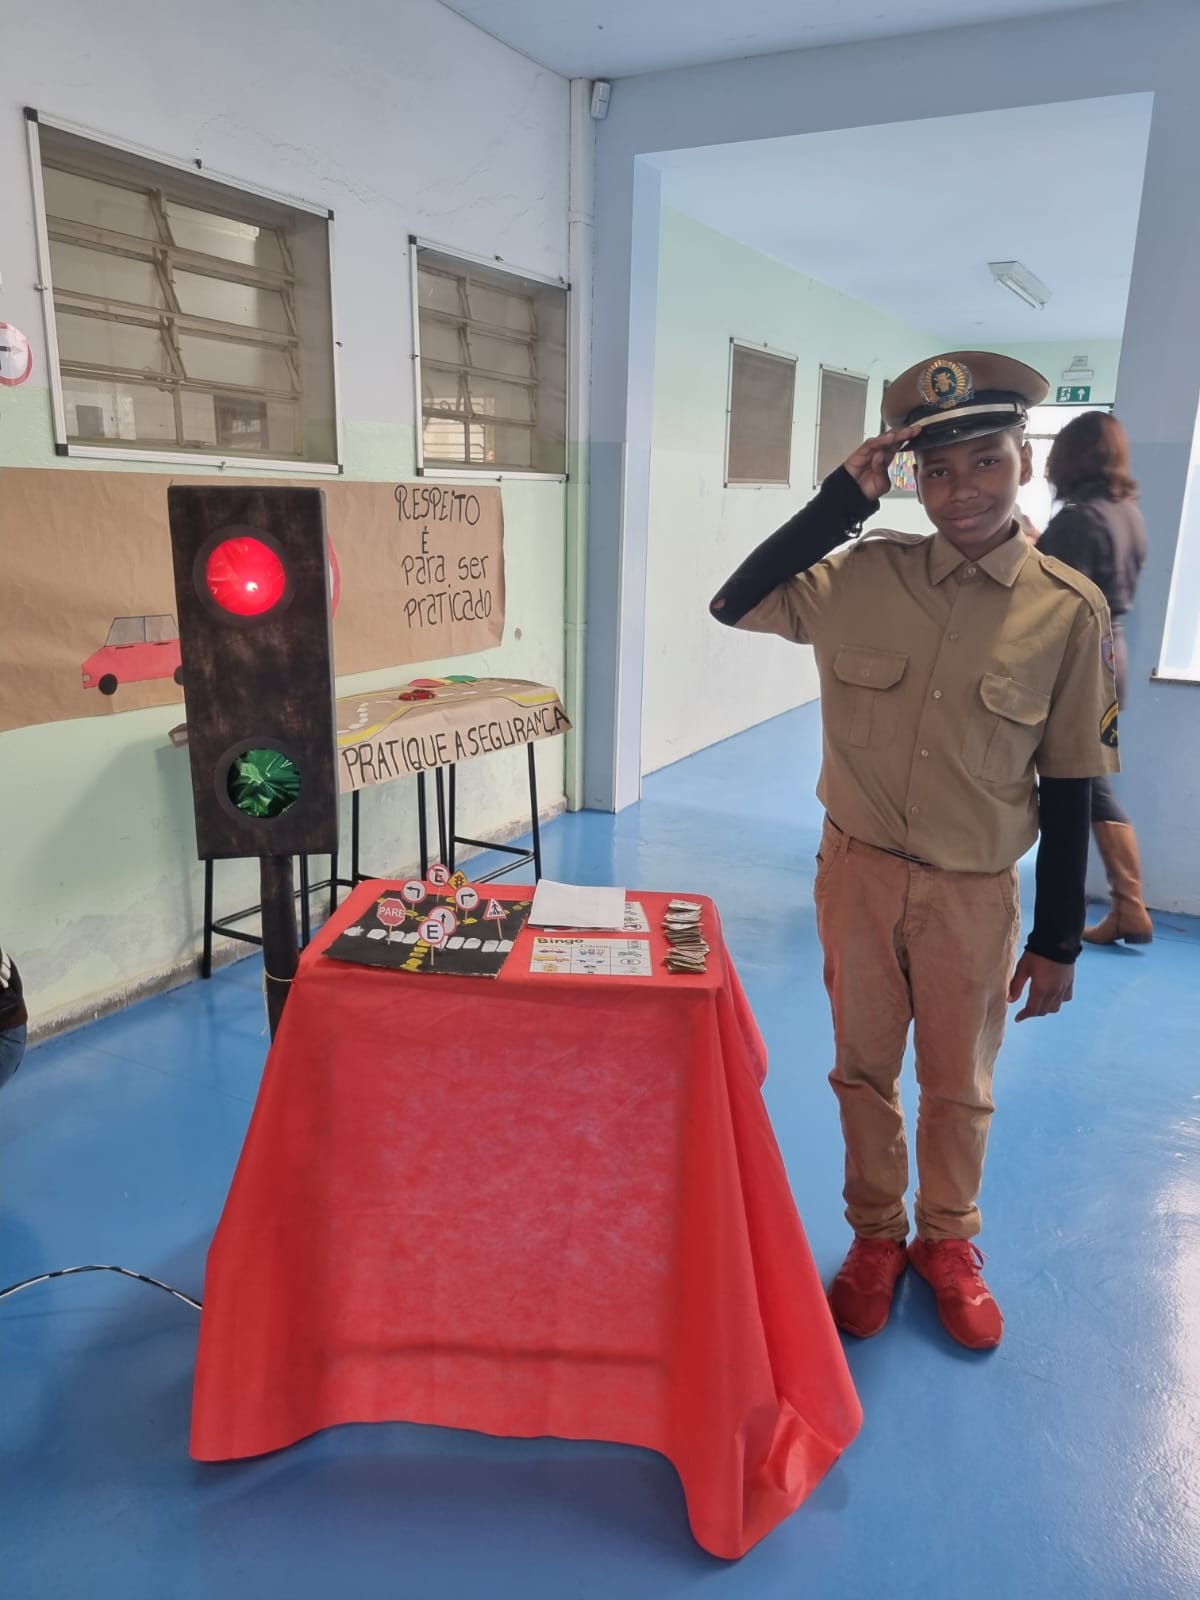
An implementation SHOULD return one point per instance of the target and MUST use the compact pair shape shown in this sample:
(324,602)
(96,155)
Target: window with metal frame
(491,368)
(190,318)
(762,395)
(841,419)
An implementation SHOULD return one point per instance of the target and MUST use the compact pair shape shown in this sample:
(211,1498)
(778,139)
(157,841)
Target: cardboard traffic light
(252,598)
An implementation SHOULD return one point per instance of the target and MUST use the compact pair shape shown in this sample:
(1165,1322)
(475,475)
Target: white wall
(702,682)
(403,119)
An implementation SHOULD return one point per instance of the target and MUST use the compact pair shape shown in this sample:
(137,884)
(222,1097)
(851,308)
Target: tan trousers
(911,944)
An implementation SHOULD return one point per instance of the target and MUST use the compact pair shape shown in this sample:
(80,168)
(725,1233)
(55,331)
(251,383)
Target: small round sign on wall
(16,356)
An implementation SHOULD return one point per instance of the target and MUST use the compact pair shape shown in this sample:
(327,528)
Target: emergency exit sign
(1076,394)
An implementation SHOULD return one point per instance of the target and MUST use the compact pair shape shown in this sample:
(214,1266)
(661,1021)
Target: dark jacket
(1106,541)
(12,1002)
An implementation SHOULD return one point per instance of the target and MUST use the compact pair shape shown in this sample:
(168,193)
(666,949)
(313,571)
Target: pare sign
(16,357)
(391,913)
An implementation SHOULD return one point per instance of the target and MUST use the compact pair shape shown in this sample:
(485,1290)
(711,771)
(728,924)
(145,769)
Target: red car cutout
(137,650)
(143,649)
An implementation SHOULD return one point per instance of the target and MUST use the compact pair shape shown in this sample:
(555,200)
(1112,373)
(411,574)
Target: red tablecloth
(539,1204)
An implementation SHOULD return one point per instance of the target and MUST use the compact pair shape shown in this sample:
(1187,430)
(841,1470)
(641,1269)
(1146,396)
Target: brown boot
(1128,920)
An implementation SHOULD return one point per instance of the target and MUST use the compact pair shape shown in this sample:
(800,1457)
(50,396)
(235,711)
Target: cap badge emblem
(945,383)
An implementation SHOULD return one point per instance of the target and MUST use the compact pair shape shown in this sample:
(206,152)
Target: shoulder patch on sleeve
(1108,727)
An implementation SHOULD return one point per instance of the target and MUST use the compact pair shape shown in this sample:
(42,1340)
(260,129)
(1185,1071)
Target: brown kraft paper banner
(420,567)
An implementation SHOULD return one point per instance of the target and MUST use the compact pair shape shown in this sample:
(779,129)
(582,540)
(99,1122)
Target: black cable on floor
(126,1272)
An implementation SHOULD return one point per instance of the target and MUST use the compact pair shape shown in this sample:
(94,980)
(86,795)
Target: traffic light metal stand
(280,935)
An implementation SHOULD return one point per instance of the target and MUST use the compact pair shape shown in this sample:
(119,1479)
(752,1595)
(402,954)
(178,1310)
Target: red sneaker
(951,1267)
(860,1297)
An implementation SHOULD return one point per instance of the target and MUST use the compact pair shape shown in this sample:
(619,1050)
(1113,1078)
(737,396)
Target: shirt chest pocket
(1004,729)
(864,709)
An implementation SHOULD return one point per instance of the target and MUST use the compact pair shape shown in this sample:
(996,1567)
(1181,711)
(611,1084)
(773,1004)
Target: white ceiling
(906,217)
(618,38)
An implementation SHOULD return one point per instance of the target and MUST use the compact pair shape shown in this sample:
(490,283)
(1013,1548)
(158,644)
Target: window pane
(119,413)
(101,205)
(450,441)
(440,341)
(241,422)
(439,293)
(99,272)
(440,391)
(222,301)
(508,400)
(160,629)
(244,365)
(153,415)
(513,311)
(92,342)
(511,447)
(841,419)
(507,356)
(292,433)
(762,392)
(243,242)
(199,420)
(98,411)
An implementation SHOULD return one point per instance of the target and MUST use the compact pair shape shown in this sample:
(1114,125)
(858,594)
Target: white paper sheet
(570,905)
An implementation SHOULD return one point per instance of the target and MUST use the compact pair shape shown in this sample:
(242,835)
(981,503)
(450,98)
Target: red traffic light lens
(245,576)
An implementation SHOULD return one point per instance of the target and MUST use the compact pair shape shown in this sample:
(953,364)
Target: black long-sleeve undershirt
(833,515)
(836,511)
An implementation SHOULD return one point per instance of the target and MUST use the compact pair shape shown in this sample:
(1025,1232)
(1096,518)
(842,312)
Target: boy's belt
(901,855)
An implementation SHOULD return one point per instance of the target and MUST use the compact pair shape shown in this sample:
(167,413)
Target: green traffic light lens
(263,783)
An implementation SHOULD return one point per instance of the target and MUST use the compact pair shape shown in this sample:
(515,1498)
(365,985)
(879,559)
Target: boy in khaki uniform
(968,699)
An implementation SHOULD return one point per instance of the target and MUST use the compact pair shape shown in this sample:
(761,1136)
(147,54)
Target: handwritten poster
(88,595)
(435,721)
(450,565)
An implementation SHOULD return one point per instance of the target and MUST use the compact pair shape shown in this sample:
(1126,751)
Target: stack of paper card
(681,924)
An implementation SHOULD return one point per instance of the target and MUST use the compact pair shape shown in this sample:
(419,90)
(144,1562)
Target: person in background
(1099,531)
(13,1018)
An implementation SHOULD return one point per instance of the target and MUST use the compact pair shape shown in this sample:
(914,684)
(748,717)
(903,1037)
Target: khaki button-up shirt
(947,686)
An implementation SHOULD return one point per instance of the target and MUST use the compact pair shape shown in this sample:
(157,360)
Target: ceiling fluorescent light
(1021,282)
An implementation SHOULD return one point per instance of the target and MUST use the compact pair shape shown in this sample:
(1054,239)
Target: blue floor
(1065,1466)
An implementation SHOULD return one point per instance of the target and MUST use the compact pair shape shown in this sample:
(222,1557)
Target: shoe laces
(957,1265)
(871,1264)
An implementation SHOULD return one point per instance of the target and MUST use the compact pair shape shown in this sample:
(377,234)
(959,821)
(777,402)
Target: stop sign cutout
(391,912)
